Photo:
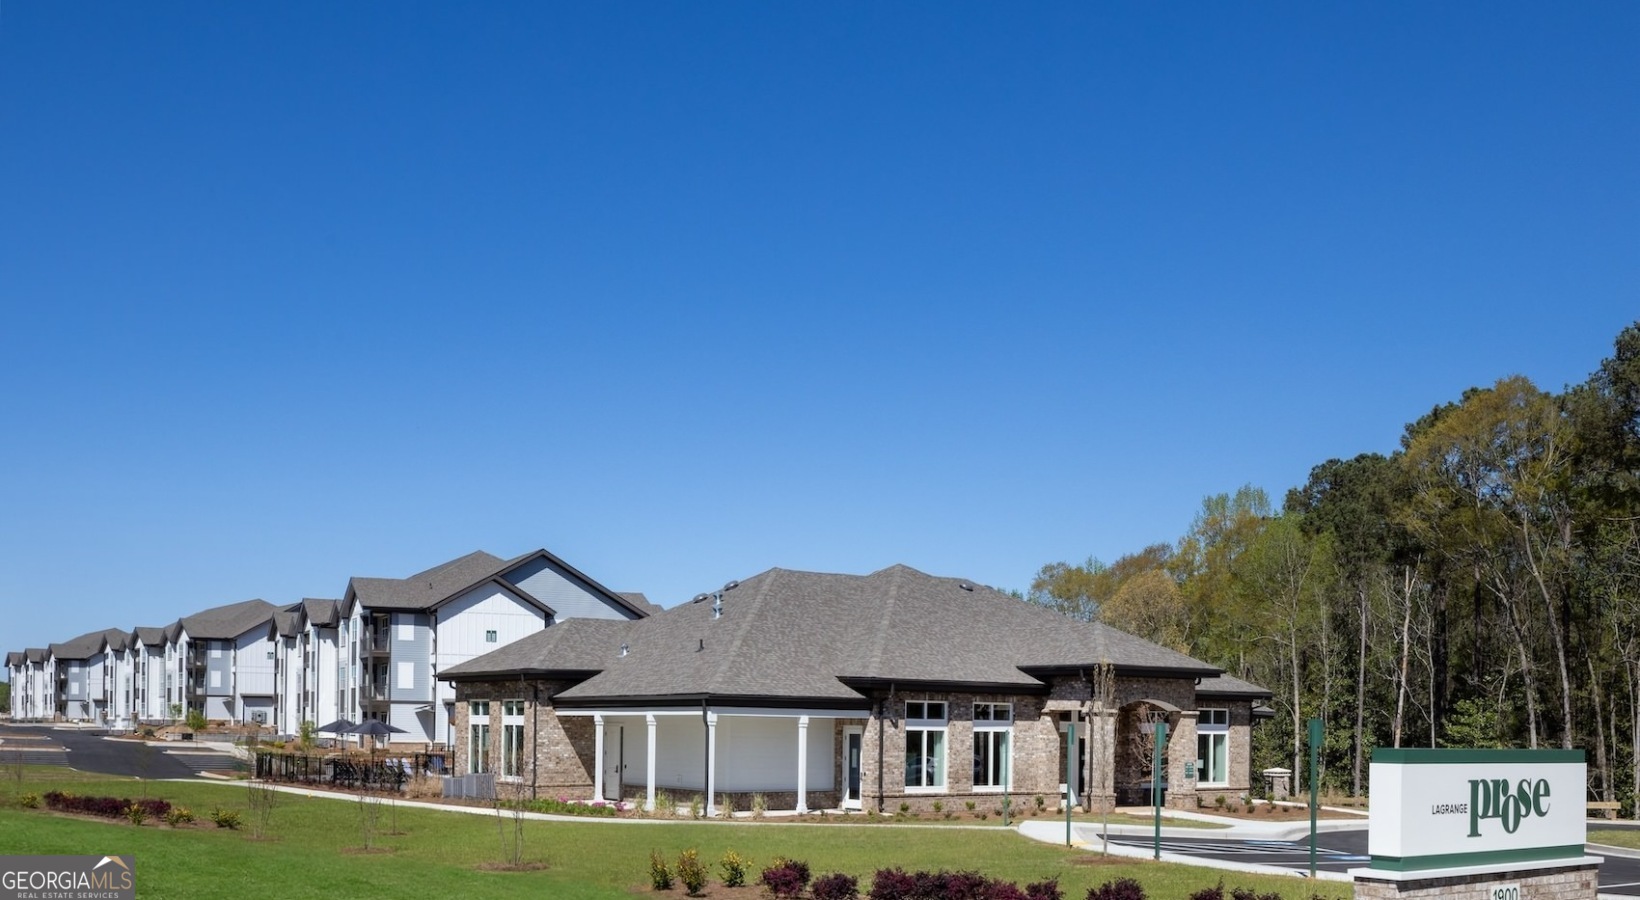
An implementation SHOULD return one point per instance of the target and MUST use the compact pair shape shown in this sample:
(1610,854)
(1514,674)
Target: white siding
(760,754)
(253,670)
(462,624)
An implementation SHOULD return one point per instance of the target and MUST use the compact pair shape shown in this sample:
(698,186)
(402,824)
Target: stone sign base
(1572,879)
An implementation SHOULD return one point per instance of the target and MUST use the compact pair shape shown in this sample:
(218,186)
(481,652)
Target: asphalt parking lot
(91,751)
(1340,851)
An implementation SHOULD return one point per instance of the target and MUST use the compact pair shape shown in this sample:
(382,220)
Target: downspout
(882,713)
(705,757)
(535,728)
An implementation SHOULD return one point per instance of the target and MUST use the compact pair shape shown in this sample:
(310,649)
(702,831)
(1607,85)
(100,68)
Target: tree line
(1477,587)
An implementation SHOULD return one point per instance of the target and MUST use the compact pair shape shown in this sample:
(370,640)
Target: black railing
(388,773)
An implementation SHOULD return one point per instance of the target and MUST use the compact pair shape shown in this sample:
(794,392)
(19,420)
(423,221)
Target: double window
(478,736)
(1213,747)
(925,725)
(512,738)
(993,728)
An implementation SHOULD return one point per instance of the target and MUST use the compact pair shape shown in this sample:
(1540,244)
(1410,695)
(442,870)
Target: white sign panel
(1449,808)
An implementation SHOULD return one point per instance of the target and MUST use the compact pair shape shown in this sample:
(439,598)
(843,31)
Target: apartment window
(993,737)
(925,723)
(512,738)
(478,734)
(489,636)
(1213,747)
(270,654)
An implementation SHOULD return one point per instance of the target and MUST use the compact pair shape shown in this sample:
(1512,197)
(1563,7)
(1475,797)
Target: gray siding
(568,596)
(415,654)
(219,660)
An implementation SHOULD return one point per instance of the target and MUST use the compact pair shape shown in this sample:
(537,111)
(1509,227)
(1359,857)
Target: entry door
(853,744)
(614,762)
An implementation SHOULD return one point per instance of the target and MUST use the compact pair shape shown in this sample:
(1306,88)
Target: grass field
(1615,837)
(313,850)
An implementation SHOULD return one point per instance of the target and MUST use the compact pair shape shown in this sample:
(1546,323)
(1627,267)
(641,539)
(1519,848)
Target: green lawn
(1616,837)
(311,851)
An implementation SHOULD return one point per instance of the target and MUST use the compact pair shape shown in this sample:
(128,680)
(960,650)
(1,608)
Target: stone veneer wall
(1574,882)
(562,749)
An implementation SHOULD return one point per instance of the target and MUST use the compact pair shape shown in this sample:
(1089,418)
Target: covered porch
(796,759)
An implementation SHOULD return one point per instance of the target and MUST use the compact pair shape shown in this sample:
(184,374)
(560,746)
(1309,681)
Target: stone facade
(1572,882)
(559,752)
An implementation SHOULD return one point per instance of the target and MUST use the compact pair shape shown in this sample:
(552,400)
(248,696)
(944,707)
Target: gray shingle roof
(425,590)
(151,637)
(15,658)
(1227,685)
(573,645)
(640,602)
(229,621)
(321,612)
(89,644)
(787,634)
(288,622)
(36,654)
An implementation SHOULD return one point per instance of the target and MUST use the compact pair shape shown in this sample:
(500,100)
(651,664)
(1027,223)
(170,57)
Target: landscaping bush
(564,806)
(733,866)
(30,801)
(179,815)
(786,878)
(660,874)
(107,807)
(1044,890)
(836,887)
(226,818)
(1120,889)
(1216,892)
(691,873)
(1250,894)
(136,814)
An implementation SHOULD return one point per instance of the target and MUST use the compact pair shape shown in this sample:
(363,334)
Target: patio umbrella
(376,728)
(340,726)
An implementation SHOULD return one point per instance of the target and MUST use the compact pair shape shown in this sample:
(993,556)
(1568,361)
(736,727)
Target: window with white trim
(925,726)
(512,738)
(993,740)
(478,736)
(1213,747)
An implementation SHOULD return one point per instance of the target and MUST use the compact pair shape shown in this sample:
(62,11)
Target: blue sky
(294,292)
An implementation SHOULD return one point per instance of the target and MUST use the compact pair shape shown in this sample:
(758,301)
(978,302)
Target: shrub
(836,887)
(1250,894)
(691,873)
(1120,889)
(1040,802)
(196,720)
(695,807)
(665,806)
(1219,801)
(1216,892)
(726,806)
(226,818)
(969,804)
(136,814)
(660,874)
(760,805)
(905,807)
(1044,890)
(939,806)
(179,815)
(30,801)
(733,866)
(786,878)
(893,884)
(108,807)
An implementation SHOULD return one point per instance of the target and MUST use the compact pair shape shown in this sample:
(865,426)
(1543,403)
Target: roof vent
(702,645)
(624,648)
(717,607)
(731,585)
(701,597)
(965,586)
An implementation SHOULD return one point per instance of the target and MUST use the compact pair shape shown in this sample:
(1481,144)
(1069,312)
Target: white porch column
(649,796)
(597,758)
(802,764)
(711,762)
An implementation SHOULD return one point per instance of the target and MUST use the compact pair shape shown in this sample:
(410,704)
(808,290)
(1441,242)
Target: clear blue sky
(681,291)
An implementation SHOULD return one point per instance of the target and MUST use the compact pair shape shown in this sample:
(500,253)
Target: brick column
(1100,791)
(1181,763)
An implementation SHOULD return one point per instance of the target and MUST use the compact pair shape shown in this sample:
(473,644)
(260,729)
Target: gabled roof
(581,646)
(36,654)
(1227,685)
(639,601)
(15,658)
(229,621)
(173,632)
(150,637)
(323,613)
(446,581)
(816,636)
(89,644)
(288,622)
